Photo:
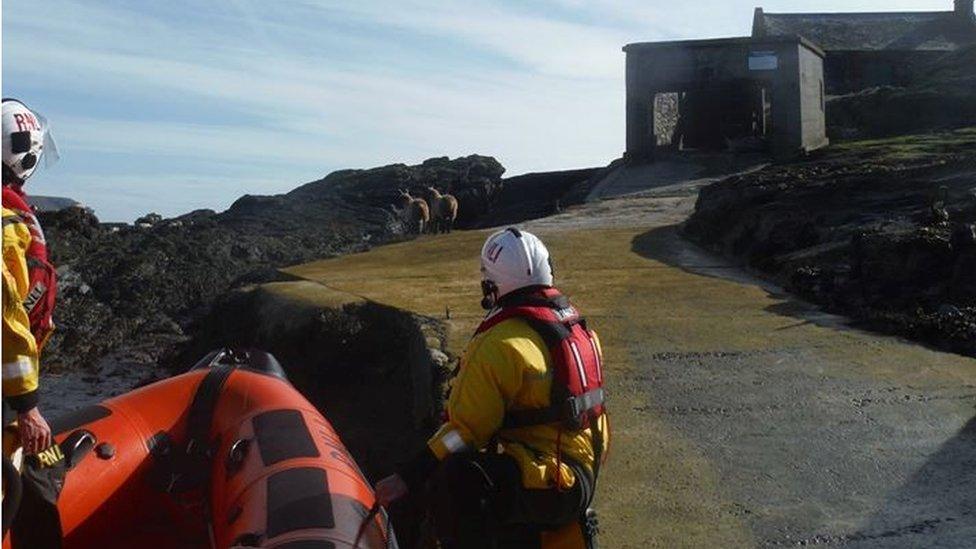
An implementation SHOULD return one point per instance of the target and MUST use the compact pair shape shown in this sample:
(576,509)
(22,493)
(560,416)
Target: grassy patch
(913,147)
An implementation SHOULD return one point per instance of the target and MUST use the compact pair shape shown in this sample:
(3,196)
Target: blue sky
(177,105)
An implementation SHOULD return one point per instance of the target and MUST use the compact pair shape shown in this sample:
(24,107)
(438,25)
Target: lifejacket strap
(552,333)
(572,407)
(587,401)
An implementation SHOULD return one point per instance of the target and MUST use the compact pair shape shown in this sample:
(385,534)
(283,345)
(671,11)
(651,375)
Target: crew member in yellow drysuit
(28,277)
(487,477)
(20,354)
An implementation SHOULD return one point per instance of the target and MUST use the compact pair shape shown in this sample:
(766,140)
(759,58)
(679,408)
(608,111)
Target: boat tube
(228,454)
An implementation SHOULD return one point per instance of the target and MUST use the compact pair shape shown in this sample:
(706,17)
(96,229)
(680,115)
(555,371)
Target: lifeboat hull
(264,468)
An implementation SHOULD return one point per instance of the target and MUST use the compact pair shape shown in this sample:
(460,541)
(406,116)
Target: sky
(178,105)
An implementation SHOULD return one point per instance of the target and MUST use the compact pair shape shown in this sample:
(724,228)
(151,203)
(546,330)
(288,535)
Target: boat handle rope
(370,517)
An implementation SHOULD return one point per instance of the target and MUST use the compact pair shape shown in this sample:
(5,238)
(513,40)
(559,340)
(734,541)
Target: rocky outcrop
(532,196)
(880,231)
(52,203)
(138,287)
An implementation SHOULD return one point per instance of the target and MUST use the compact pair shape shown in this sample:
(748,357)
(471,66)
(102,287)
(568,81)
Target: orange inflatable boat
(228,454)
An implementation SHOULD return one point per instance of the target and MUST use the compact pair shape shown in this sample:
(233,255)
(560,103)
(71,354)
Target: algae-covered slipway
(741,416)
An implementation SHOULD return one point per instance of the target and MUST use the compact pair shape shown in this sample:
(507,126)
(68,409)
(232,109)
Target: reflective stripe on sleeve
(18,368)
(453,442)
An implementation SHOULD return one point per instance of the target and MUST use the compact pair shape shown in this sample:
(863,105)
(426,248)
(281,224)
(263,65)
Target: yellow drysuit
(20,352)
(505,368)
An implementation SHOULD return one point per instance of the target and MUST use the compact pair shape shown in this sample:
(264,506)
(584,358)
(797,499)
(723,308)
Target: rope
(370,516)
(559,461)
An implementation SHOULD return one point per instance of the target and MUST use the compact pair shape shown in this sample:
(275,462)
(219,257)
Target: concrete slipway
(741,416)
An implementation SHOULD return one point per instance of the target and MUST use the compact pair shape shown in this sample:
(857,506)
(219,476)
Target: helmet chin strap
(489,292)
(10,179)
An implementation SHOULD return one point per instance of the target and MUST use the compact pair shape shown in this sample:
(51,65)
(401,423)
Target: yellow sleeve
(20,354)
(491,373)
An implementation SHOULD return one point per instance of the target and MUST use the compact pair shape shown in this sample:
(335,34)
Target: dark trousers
(478,501)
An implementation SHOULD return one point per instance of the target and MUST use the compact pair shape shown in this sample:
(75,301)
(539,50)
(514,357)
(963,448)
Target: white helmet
(513,259)
(26,136)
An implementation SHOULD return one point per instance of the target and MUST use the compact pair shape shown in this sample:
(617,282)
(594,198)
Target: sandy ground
(741,416)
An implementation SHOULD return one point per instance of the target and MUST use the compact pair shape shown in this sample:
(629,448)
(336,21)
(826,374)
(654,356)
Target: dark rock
(149,219)
(530,196)
(963,237)
(853,230)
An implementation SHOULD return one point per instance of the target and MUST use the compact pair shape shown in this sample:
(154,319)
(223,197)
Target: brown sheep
(415,212)
(443,210)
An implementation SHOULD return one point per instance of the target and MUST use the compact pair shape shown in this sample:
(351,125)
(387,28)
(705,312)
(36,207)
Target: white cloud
(543,45)
(332,117)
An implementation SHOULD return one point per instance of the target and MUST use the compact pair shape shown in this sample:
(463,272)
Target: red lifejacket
(42,290)
(577,395)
